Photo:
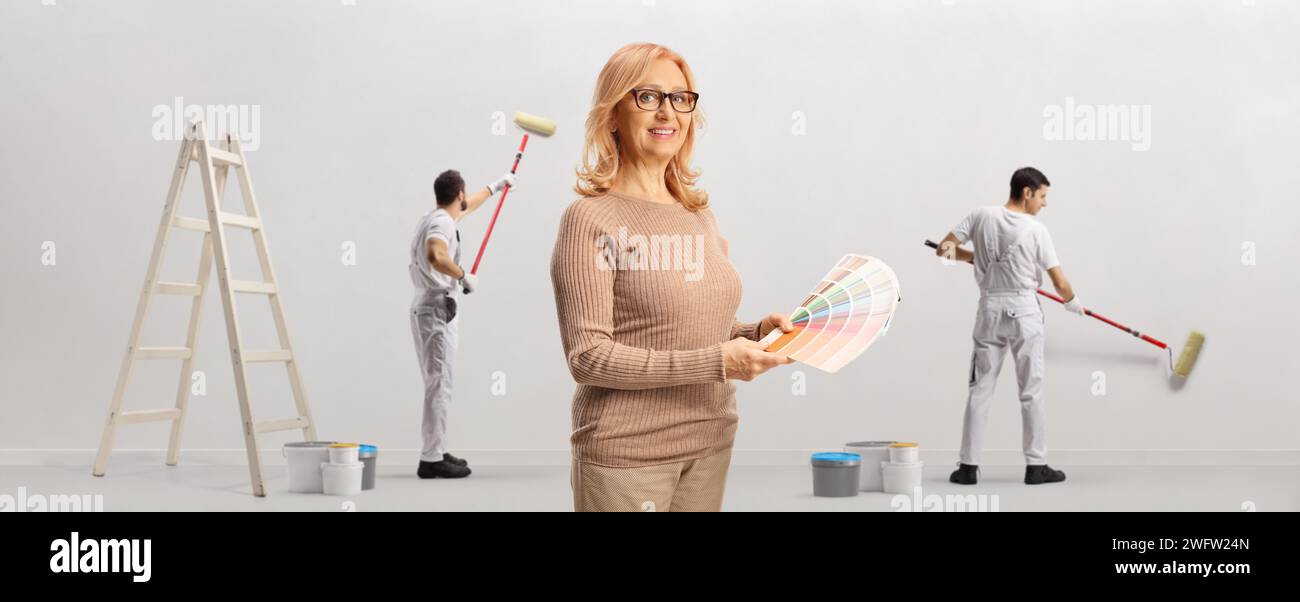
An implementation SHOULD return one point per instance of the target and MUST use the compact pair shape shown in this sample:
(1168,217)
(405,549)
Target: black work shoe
(454,460)
(442,469)
(1037,474)
(966,474)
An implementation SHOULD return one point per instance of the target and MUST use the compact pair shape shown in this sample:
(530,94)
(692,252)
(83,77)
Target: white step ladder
(215,164)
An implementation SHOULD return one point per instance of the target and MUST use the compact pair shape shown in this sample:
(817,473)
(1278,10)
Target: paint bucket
(344,453)
(872,453)
(341,479)
(369,455)
(835,474)
(304,458)
(901,478)
(904,453)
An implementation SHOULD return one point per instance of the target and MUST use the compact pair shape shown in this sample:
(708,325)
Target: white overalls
(1008,318)
(434,328)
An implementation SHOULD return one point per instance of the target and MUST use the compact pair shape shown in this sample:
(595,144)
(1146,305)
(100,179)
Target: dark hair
(1027,176)
(447,187)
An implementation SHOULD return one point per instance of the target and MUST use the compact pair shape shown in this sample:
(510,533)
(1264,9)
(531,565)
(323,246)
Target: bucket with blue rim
(369,455)
(836,474)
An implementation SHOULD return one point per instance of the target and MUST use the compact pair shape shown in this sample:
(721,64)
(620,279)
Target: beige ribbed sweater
(642,335)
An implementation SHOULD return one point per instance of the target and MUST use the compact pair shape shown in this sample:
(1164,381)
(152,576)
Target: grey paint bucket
(836,474)
(369,455)
(873,453)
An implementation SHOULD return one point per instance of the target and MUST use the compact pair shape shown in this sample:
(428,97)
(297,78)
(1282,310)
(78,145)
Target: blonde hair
(602,152)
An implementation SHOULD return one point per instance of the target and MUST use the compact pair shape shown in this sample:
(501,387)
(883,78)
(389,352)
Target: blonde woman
(646,298)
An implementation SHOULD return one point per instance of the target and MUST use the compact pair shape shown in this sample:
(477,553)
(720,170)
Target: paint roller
(529,125)
(1186,359)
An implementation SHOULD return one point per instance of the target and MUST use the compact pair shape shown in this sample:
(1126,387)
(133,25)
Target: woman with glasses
(646,298)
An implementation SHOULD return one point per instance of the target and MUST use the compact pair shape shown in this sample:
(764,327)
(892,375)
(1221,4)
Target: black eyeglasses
(649,99)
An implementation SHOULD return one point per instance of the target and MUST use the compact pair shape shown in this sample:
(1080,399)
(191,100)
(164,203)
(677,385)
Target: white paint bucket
(904,453)
(872,453)
(901,478)
(344,453)
(342,479)
(304,458)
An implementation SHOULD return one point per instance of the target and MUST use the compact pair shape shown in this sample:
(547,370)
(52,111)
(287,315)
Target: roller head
(533,124)
(1187,358)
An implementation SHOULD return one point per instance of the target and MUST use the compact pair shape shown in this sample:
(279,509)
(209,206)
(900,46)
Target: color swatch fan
(844,314)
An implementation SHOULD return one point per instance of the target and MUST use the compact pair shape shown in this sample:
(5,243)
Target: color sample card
(844,314)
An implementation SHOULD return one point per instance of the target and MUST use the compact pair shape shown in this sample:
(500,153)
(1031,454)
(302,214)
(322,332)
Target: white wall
(915,113)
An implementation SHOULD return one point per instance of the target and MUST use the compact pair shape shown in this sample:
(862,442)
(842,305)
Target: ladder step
(223,157)
(190,223)
(271,426)
(162,353)
(178,288)
(219,156)
(247,286)
(148,416)
(274,355)
(242,221)
(232,219)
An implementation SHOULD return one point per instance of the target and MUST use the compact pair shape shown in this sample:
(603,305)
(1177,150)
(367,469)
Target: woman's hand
(774,321)
(744,359)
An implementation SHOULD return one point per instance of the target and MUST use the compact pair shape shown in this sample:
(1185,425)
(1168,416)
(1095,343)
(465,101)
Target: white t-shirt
(992,229)
(437,223)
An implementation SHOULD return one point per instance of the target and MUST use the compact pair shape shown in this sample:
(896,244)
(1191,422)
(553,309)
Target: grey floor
(749,488)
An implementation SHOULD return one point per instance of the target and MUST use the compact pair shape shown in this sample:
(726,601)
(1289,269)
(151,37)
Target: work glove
(502,182)
(1074,306)
(469,283)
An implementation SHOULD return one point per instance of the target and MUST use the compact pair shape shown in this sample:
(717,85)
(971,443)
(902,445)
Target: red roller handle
(483,246)
(1089,312)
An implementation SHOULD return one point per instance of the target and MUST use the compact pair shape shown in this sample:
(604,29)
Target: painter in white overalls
(434,326)
(1012,250)
(439,277)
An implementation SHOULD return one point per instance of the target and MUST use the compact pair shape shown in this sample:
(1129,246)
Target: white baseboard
(740,457)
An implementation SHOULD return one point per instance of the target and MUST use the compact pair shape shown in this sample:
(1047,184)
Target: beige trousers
(690,486)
